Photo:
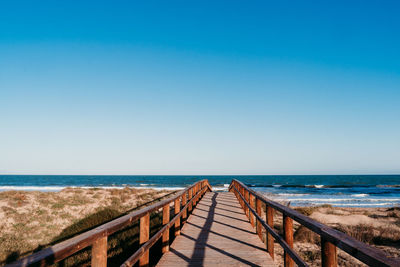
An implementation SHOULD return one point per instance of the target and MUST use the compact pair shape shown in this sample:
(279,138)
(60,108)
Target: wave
(59,188)
(292,195)
(359,195)
(324,186)
(340,199)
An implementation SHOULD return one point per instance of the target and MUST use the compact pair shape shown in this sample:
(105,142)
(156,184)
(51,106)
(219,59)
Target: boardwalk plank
(218,233)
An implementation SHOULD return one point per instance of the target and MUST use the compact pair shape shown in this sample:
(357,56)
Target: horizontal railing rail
(97,237)
(330,238)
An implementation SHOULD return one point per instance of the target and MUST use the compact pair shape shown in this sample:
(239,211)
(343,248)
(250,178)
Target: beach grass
(31,221)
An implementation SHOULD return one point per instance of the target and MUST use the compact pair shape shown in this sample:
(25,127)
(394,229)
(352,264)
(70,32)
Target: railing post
(165,237)
(99,252)
(269,239)
(190,198)
(258,210)
(252,218)
(288,234)
(184,213)
(246,197)
(144,237)
(178,221)
(328,253)
(194,195)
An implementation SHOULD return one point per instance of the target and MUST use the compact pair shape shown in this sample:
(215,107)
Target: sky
(199,87)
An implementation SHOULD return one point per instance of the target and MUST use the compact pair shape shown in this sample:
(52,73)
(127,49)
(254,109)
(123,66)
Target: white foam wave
(32,188)
(315,185)
(359,195)
(325,200)
(292,195)
(59,188)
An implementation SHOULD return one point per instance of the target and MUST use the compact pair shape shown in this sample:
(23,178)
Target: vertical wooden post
(288,234)
(328,253)
(144,237)
(99,252)
(190,198)
(165,220)
(178,221)
(270,240)
(246,197)
(258,210)
(184,213)
(252,217)
(240,199)
(193,195)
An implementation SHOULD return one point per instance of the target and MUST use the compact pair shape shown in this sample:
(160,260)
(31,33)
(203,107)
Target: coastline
(45,218)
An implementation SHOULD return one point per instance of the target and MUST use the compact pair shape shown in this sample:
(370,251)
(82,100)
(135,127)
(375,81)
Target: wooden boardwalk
(217,233)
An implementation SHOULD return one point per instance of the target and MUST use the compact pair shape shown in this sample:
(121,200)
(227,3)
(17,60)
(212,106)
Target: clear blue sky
(199,87)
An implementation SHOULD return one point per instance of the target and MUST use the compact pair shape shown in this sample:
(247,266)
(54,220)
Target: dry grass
(30,221)
(382,231)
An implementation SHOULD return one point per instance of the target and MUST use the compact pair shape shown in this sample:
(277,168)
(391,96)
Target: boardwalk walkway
(217,234)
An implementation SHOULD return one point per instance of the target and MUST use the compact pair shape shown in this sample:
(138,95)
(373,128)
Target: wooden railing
(184,201)
(252,201)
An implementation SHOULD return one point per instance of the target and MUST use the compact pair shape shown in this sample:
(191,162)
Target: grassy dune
(379,227)
(30,221)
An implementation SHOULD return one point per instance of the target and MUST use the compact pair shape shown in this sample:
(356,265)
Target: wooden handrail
(99,234)
(136,256)
(277,237)
(330,237)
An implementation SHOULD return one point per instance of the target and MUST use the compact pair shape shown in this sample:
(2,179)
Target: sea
(299,190)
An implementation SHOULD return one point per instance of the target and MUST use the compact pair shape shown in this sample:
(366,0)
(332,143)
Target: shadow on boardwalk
(217,233)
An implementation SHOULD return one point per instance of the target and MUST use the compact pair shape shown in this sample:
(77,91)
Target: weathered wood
(278,238)
(144,235)
(99,252)
(165,236)
(146,246)
(178,221)
(190,197)
(328,254)
(288,234)
(270,240)
(259,226)
(361,251)
(246,197)
(216,235)
(184,214)
(252,198)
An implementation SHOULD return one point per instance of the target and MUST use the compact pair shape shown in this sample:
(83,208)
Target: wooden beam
(99,252)
(252,218)
(328,253)
(178,221)
(288,234)
(184,214)
(259,225)
(165,237)
(270,240)
(144,237)
(190,198)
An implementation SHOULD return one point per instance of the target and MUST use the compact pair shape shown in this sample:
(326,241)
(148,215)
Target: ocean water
(299,190)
